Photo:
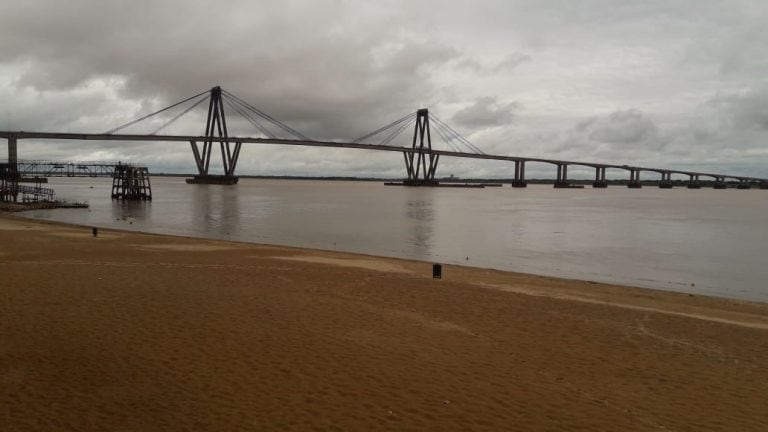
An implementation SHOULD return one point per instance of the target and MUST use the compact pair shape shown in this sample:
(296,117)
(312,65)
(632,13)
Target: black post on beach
(95,231)
(437,271)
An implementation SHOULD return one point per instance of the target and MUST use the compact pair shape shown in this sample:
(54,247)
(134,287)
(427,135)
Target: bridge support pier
(600,181)
(562,176)
(216,125)
(634,179)
(720,183)
(519,181)
(693,182)
(666,181)
(743,184)
(763,185)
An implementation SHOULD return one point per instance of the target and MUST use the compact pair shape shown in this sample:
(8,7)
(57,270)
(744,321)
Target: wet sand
(134,332)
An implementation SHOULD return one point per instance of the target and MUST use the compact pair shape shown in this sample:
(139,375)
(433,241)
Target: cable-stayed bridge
(420,158)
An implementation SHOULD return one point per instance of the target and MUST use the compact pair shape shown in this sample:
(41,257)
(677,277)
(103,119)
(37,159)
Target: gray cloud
(653,82)
(313,67)
(485,112)
(746,109)
(627,129)
(512,61)
(623,136)
(507,64)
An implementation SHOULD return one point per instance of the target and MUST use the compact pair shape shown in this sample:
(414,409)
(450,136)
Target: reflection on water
(132,209)
(420,214)
(218,208)
(703,241)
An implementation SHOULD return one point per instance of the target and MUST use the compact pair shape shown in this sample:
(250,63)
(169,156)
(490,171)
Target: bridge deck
(339,144)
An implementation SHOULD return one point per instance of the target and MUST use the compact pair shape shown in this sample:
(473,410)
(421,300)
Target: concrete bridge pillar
(562,176)
(666,181)
(743,184)
(720,183)
(519,180)
(600,181)
(634,179)
(693,182)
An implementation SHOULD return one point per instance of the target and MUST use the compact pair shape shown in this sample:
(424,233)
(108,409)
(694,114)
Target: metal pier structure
(9,183)
(47,168)
(131,183)
(10,189)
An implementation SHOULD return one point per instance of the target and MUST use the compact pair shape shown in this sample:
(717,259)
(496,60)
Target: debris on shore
(40,205)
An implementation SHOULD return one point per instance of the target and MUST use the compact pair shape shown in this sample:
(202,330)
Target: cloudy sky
(675,84)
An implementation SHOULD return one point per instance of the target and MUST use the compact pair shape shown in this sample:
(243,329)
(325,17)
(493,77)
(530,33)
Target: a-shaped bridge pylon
(421,161)
(217,131)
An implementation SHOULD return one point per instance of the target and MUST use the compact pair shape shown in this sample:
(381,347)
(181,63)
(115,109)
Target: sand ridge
(369,264)
(111,333)
(734,318)
(188,247)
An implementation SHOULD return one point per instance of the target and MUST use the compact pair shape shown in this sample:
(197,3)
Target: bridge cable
(448,140)
(394,134)
(383,128)
(269,118)
(250,118)
(110,132)
(178,116)
(456,134)
(472,148)
(448,137)
(396,131)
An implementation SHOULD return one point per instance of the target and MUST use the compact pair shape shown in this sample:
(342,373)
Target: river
(705,241)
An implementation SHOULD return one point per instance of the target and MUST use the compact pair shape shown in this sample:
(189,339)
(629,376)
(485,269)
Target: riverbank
(129,331)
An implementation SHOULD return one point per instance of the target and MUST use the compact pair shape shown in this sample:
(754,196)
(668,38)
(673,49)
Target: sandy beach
(137,332)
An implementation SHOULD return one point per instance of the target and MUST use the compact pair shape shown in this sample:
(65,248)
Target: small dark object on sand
(437,271)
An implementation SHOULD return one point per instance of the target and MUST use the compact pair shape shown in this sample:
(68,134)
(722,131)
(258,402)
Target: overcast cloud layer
(678,84)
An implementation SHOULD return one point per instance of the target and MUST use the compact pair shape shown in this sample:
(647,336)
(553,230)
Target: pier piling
(131,183)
